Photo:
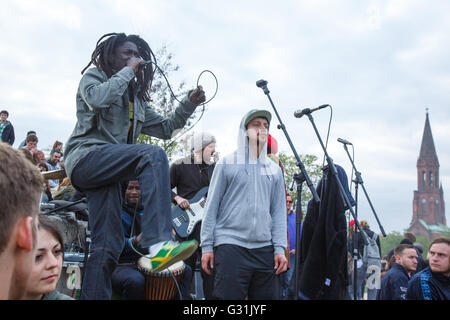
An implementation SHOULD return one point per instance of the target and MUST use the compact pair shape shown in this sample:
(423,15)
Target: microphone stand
(335,174)
(263,84)
(355,249)
(359,181)
(346,200)
(300,178)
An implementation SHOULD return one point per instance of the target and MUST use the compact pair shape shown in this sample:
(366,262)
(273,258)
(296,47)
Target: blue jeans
(99,175)
(286,278)
(360,277)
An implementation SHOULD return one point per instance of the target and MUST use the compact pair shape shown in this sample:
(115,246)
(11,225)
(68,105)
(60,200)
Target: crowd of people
(244,244)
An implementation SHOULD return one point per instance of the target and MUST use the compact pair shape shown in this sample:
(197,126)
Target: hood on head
(243,148)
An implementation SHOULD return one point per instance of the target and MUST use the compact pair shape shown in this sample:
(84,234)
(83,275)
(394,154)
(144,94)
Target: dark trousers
(207,280)
(242,272)
(99,176)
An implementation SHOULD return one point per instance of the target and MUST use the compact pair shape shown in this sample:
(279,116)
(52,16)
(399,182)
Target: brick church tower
(428,204)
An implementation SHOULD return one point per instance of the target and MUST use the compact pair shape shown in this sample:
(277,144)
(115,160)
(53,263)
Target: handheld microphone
(344,141)
(145,63)
(301,113)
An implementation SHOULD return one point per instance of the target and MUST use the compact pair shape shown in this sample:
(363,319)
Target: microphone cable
(324,157)
(175,97)
(328,133)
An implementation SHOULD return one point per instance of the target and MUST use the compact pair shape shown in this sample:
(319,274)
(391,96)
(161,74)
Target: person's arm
(174,175)
(173,172)
(278,212)
(160,127)
(99,93)
(279,223)
(216,192)
(399,288)
(11,136)
(130,241)
(414,290)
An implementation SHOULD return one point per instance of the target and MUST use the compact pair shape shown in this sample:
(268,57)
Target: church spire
(427,149)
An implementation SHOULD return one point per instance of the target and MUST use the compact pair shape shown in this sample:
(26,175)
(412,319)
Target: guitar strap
(210,172)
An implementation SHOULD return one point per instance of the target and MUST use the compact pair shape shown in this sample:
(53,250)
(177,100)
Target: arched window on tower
(423,179)
(424,206)
(430,182)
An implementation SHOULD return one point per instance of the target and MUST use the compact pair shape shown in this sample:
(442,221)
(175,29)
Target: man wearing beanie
(189,175)
(243,235)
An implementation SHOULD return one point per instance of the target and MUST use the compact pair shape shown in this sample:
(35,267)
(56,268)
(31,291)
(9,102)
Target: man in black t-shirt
(189,175)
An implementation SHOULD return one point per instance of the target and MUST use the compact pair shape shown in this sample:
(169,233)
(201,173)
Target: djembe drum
(160,285)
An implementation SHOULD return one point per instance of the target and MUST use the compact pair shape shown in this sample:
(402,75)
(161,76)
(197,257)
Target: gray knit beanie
(201,140)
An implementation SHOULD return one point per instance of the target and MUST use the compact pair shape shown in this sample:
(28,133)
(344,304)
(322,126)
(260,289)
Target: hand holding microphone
(197,96)
(134,63)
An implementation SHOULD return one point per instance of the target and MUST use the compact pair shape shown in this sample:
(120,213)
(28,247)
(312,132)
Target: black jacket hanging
(323,247)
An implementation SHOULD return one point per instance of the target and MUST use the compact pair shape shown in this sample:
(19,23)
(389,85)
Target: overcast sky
(379,64)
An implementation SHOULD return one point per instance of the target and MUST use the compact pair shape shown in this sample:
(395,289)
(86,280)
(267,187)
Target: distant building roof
(434,227)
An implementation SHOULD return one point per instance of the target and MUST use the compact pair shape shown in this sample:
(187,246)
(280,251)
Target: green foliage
(172,150)
(290,168)
(393,239)
(390,241)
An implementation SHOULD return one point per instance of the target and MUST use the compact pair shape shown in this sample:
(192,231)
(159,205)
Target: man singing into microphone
(112,110)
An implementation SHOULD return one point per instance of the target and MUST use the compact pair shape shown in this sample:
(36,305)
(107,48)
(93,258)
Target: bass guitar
(184,221)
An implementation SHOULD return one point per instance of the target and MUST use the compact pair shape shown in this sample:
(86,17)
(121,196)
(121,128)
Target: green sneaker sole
(181,252)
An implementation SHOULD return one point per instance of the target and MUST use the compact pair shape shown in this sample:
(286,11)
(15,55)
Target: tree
(290,167)
(390,241)
(164,103)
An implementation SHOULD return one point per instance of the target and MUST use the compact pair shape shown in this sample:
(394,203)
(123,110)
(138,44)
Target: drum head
(145,265)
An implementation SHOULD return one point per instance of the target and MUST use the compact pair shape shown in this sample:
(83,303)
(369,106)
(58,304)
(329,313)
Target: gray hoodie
(246,204)
(103,115)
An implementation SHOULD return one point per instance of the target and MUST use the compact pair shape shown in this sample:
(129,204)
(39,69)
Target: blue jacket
(427,285)
(394,284)
(130,230)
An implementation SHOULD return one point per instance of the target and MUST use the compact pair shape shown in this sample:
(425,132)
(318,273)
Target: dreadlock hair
(104,50)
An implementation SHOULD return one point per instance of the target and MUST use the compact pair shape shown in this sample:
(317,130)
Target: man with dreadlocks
(112,111)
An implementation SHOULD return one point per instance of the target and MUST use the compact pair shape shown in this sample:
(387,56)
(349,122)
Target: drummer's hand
(208,262)
(137,240)
(182,202)
(197,96)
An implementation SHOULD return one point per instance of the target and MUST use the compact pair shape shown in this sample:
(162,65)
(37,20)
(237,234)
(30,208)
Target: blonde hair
(364,224)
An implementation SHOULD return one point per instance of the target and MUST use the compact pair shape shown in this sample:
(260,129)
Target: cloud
(34,12)
(378,63)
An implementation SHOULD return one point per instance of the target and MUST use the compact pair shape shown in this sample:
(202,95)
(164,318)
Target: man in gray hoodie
(112,110)
(243,235)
